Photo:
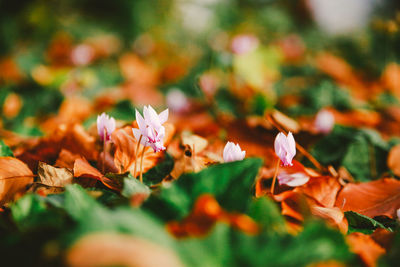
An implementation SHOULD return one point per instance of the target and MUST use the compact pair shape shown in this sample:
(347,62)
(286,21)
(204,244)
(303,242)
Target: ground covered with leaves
(70,199)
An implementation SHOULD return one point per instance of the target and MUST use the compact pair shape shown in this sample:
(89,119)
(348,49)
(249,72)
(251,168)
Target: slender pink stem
(137,153)
(141,165)
(275,175)
(104,149)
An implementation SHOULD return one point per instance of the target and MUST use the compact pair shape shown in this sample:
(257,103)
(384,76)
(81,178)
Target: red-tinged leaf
(323,189)
(365,247)
(82,168)
(14,178)
(376,198)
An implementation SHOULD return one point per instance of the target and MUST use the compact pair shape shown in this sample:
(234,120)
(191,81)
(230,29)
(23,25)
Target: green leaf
(267,214)
(364,224)
(363,152)
(30,212)
(91,216)
(156,174)
(5,151)
(231,184)
(132,187)
(316,243)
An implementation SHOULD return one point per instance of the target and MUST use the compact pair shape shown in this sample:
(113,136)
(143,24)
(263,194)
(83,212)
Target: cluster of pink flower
(151,133)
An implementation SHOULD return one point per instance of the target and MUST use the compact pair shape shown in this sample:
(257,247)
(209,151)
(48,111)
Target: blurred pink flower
(151,128)
(208,84)
(292,179)
(105,124)
(244,43)
(177,101)
(324,121)
(285,148)
(398,214)
(82,55)
(233,152)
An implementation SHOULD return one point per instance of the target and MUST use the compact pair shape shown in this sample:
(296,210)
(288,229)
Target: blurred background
(240,57)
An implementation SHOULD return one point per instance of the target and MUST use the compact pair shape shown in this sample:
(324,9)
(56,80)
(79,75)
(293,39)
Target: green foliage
(230,183)
(156,174)
(132,187)
(362,152)
(5,151)
(364,224)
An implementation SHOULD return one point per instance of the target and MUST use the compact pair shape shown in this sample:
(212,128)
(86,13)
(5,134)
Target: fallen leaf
(14,177)
(365,247)
(323,189)
(125,152)
(286,122)
(393,160)
(82,168)
(376,198)
(196,142)
(66,159)
(52,176)
(113,249)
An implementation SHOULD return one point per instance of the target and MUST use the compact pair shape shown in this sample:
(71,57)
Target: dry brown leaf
(82,168)
(376,198)
(52,176)
(106,249)
(66,159)
(393,160)
(14,177)
(125,152)
(195,142)
(323,189)
(286,122)
(333,215)
(365,247)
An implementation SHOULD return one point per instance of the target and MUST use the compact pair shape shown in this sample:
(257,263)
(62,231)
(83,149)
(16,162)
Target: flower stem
(141,164)
(275,175)
(104,150)
(137,153)
(298,146)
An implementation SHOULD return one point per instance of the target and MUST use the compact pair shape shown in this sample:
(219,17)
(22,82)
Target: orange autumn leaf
(82,168)
(323,189)
(390,78)
(375,198)
(14,177)
(205,214)
(125,153)
(365,247)
(393,160)
(114,249)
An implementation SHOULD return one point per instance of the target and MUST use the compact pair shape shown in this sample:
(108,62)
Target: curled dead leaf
(112,249)
(375,198)
(14,177)
(52,176)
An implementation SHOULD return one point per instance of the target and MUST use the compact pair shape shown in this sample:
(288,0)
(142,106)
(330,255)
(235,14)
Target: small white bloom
(233,152)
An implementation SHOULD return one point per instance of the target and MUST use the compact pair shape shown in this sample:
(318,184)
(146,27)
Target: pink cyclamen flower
(233,152)
(285,148)
(151,128)
(105,124)
(324,121)
(292,179)
(398,214)
(244,43)
(177,101)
